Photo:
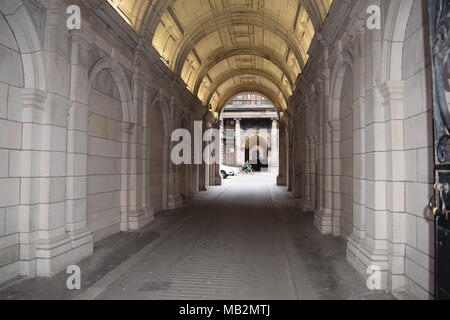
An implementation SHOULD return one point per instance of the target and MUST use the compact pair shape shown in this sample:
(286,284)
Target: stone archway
(158,177)
(105,166)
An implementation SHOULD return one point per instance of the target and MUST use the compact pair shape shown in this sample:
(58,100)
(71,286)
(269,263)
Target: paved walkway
(244,240)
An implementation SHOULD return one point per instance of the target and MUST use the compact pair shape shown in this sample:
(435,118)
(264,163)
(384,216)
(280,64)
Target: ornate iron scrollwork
(439,14)
(440,42)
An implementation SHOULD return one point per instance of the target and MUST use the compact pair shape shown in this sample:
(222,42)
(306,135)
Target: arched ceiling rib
(279,102)
(221,54)
(241,65)
(241,27)
(245,77)
(223,46)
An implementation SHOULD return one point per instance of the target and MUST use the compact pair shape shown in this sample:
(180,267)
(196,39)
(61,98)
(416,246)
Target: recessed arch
(238,82)
(279,102)
(117,72)
(339,70)
(250,72)
(29,43)
(396,23)
(160,107)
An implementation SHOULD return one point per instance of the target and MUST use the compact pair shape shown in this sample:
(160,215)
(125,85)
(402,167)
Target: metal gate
(439,15)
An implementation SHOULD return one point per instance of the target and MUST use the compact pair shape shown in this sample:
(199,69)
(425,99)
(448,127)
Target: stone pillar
(323,218)
(393,93)
(217,177)
(281,179)
(323,215)
(125,206)
(190,168)
(312,174)
(289,164)
(204,175)
(307,193)
(22,166)
(296,162)
(274,147)
(373,250)
(238,143)
(174,199)
(76,161)
(335,126)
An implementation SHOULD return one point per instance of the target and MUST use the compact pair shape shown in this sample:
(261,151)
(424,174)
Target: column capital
(34,101)
(127,127)
(334,125)
(392,90)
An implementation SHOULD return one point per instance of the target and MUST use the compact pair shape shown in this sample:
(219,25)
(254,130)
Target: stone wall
(374,139)
(11,141)
(85,124)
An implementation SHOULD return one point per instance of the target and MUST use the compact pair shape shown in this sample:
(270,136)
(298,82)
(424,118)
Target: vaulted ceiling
(221,48)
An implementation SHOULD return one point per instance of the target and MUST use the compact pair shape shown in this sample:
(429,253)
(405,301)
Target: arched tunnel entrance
(335,104)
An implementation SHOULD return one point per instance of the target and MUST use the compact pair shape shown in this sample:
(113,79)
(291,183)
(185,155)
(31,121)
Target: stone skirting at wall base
(323,221)
(54,257)
(361,258)
(174,202)
(140,219)
(218,180)
(281,180)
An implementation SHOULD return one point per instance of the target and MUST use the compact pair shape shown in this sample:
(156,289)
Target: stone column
(218,125)
(125,206)
(307,193)
(356,239)
(238,142)
(335,126)
(190,168)
(281,179)
(204,168)
(393,93)
(274,150)
(174,199)
(22,166)
(323,219)
(134,214)
(290,170)
(77,137)
(373,248)
(323,215)
(296,162)
(312,174)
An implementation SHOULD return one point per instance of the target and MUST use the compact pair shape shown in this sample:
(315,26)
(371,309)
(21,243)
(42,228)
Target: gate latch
(437,202)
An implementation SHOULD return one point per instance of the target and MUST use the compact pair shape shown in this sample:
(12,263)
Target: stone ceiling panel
(244,43)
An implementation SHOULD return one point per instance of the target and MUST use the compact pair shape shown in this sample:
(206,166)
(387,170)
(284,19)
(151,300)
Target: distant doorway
(257,153)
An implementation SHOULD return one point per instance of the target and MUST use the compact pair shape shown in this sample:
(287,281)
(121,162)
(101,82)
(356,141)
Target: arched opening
(257,152)
(346,153)
(104,157)
(157,181)
(250,122)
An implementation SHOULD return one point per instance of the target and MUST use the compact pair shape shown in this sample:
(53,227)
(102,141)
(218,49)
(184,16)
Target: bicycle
(249,171)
